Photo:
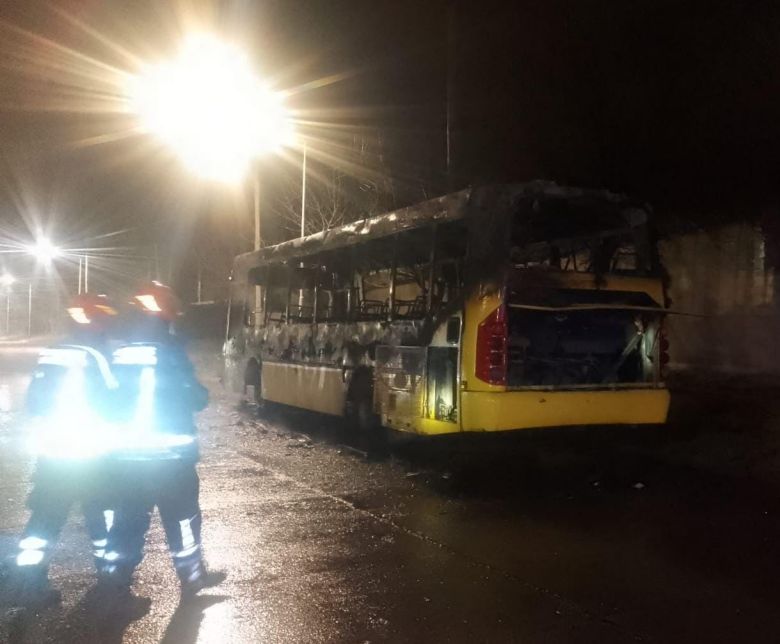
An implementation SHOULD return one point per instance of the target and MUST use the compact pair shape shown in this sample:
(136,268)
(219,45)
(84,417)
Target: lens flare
(208,106)
(44,250)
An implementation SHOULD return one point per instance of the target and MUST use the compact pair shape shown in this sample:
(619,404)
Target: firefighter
(67,401)
(155,461)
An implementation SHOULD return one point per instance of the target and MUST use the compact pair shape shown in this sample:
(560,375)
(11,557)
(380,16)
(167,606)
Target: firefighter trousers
(172,486)
(57,487)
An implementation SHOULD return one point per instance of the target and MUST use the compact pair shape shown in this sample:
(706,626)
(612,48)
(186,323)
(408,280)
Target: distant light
(210,108)
(43,250)
(6,279)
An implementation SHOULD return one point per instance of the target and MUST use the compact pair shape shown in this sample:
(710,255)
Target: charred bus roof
(540,212)
(449,207)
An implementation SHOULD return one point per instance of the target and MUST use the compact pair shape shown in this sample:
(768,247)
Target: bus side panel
(399,386)
(487,411)
(313,387)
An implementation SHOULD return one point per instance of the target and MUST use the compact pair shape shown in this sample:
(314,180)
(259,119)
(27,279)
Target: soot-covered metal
(331,299)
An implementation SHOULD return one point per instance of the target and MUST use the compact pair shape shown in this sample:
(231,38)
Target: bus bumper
(503,411)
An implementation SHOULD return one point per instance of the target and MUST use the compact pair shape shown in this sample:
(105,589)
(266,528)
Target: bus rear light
(492,348)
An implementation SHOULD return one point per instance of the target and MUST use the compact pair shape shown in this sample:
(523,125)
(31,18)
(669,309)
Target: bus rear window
(576,348)
(582,236)
(580,337)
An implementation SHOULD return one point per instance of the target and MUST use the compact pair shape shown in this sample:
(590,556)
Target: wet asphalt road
(518,541)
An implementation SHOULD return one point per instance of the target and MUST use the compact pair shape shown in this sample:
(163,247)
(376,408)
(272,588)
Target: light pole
(256,210)
(83,271)
(7,280)
(29,309)
(303,193)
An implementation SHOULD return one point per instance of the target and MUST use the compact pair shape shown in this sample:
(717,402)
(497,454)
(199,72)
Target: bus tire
(364,423)
(253,377)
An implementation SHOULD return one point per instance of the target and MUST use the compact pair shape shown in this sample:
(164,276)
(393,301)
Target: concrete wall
(721,275)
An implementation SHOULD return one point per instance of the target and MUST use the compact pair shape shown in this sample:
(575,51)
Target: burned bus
(490,309)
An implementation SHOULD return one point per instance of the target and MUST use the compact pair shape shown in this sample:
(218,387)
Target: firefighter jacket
(68,402)
(156,399)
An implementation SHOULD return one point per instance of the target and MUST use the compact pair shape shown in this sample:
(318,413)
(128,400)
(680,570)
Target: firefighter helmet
(89,309)
(158,300)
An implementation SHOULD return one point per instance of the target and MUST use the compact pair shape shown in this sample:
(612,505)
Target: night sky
(675,102)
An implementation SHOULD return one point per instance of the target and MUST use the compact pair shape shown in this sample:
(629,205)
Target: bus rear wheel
(364,424)
(253,377)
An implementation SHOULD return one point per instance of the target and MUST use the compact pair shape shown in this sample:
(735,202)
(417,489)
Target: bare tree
(332,199)
(359,187)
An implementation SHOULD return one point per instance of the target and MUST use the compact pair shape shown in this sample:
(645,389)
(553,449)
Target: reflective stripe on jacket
(158,395)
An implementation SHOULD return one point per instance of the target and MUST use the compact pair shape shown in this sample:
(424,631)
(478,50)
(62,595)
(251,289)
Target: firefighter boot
(194,577)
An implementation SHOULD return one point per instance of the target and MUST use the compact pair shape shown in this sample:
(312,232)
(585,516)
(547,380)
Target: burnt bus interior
(582,234)
(564,337)
(580,347)
(406,276)
(380,299)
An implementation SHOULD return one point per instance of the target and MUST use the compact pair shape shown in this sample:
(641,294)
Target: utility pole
(86,273)
(29,309)
(303,194)
(258,238)
(452,58)
(256,194)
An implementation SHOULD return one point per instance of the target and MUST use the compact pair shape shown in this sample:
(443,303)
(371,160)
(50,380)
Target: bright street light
(208,105)
(7,280)
(43,250)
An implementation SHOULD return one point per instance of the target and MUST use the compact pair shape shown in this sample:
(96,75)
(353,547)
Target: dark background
(676,103)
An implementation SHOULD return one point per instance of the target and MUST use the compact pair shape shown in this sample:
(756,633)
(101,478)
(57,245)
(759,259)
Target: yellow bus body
(312,387)
(484,407)
(502,411)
